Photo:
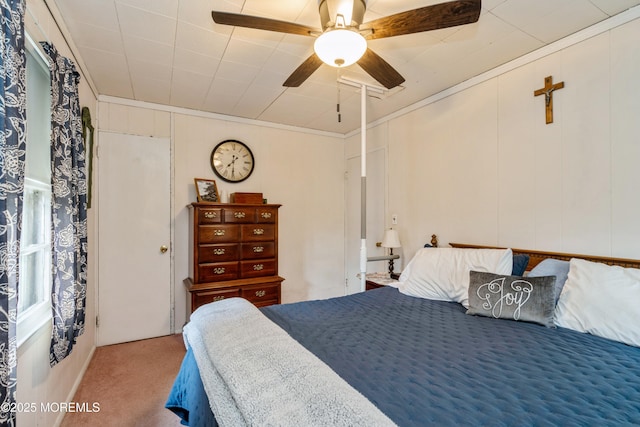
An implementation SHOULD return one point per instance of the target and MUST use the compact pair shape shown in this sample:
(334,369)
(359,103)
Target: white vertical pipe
(363,187)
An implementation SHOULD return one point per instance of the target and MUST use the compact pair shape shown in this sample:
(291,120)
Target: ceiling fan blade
(304,71)
(380,70)
(259,23)
(426,18)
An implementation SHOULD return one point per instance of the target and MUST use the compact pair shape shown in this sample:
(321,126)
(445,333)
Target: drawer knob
(260,294)
(258,249)
(258,231)
(218,232)
(239,214)
(266,215)
(218,251)
(258,267)
(210,215)
(218,298)
(218,270)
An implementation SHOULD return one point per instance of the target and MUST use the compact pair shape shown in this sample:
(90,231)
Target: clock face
(232,161)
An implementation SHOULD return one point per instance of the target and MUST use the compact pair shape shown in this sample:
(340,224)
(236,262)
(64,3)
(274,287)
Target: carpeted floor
(130,382)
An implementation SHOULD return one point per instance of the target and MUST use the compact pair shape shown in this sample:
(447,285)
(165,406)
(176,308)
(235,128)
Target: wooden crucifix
(547,91)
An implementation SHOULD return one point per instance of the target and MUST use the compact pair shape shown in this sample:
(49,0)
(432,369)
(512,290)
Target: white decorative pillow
(443,273)
(602,300)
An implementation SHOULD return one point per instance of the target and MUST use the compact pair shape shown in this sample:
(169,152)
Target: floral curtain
(69,207)
(12,164)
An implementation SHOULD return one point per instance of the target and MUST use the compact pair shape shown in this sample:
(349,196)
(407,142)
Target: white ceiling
(171,52)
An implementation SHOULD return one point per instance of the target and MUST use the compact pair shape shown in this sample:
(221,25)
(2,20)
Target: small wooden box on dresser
(234,253)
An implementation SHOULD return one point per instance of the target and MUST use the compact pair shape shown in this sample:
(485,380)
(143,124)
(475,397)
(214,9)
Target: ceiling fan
(343,38)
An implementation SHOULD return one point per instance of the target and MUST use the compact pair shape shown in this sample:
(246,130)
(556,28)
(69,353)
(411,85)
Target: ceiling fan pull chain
(338,104)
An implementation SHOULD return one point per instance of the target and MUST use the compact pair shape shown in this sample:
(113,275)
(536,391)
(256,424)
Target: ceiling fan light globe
(340,47)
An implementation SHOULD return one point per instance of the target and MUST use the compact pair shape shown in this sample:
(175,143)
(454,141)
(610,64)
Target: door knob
(163,249)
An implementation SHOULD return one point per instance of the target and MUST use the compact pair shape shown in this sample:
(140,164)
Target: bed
(425,352)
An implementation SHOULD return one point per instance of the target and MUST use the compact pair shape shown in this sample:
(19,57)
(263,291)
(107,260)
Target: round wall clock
(232,161)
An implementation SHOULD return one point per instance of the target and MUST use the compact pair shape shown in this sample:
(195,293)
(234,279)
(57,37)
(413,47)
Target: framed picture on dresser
(206,190)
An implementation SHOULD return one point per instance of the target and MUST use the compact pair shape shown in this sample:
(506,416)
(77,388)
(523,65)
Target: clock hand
(232,161)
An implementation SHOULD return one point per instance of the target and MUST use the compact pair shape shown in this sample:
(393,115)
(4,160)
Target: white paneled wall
(625,138)
(530,157)
(481,166)
(586,142)
(134,120)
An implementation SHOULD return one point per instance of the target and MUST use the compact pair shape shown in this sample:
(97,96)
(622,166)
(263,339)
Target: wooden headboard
(536,256)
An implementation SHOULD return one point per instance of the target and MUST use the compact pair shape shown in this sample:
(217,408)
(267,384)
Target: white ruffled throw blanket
(255,374)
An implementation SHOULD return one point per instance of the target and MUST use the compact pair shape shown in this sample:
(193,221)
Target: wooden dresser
(234,253)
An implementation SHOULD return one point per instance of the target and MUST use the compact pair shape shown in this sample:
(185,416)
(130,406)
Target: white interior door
(376,190)
(134,268)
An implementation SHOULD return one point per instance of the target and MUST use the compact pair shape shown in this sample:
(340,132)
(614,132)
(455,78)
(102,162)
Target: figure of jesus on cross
(547,91)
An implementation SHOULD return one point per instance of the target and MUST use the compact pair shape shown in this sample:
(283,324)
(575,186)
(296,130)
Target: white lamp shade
(391,239)
(340,47)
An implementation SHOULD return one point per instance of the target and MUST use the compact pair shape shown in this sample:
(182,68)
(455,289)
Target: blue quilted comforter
(426,362)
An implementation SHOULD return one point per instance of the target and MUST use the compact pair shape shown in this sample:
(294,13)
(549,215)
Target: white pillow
(602,300)
(443,273)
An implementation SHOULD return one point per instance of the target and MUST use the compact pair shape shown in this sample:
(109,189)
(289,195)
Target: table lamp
(391,240)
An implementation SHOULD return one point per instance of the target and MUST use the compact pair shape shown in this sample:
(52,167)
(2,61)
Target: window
(34,292)
(35,249)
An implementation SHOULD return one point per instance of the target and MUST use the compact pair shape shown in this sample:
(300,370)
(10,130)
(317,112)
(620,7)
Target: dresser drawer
(240,215)
(257,268)
(217,253)
(209,215)
(257,232)
(265,294)
(218,271)
(203,297)
(258,250)
(266,215)
(218,233)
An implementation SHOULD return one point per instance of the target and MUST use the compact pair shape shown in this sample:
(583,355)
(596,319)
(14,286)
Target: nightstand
(379,280)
